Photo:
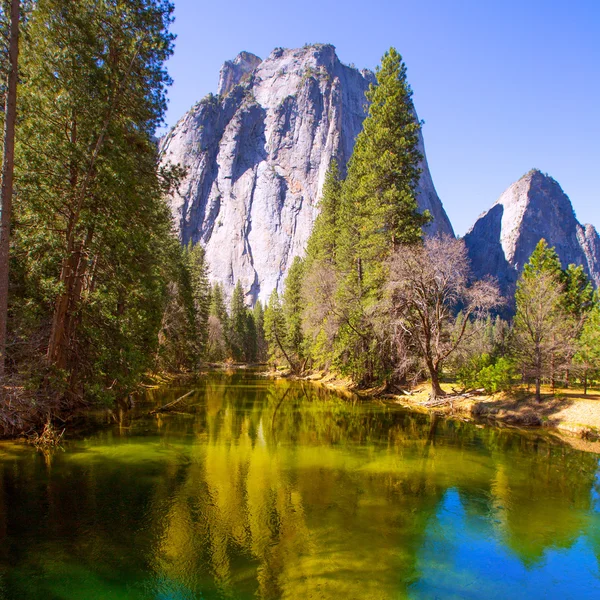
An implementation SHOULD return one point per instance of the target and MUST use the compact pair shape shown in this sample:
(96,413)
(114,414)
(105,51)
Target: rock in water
(257,155)
(535,207)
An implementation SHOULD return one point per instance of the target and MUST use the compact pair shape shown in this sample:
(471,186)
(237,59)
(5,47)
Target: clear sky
(502,85)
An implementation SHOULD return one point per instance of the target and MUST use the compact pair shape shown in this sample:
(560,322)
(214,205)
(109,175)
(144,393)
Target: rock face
(256,158)
(535,207)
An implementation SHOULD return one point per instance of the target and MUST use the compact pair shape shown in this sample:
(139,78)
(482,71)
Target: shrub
(484,372)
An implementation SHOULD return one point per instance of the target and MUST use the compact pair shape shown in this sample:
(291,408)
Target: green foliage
(543,331)
(275,329)
(543,259)
(259,326)
(243,342)
(484,372)
(322,245)
(197,267)
(237,323)
(292,307)
(362,219)
(587,357)
(379,194)
(578,291)
(93,248)
(218,326)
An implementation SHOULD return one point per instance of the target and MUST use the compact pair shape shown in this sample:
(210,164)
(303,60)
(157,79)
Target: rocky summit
(535,207)
(256,156)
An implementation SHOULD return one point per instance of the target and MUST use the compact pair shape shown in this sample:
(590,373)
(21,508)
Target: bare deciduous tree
(428,285)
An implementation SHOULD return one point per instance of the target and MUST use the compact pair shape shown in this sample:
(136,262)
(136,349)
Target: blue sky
(502,85)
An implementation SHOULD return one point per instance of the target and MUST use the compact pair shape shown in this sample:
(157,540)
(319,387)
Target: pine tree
(250,338)
(587,358)
(218,326)
(292,306)
(259,325)
(200,286)
(238,324)
(380,208)
(541,324)
(578,292)
(276,332)
(578,300)
(322,245)
(378,211)
(543,259)
(93,232)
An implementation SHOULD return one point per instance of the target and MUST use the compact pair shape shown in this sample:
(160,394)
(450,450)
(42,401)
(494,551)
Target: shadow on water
(278,489)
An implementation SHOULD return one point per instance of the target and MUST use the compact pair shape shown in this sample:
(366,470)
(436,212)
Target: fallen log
(170,405)
(450,398)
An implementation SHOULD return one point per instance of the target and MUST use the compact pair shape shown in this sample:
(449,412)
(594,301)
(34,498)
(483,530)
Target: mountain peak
(256,159)
(234,72)
(534,207)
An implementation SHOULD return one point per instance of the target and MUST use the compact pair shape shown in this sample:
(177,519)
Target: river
(268,489)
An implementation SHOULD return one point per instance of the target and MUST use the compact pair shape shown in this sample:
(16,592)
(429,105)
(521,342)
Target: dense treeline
(98,281)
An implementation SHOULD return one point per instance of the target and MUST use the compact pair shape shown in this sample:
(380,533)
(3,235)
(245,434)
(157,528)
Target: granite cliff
(256,157)
(503,238)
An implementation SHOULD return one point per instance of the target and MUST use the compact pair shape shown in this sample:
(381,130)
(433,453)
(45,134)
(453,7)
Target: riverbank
(567,412)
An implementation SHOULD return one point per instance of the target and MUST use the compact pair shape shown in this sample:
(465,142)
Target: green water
(282,490)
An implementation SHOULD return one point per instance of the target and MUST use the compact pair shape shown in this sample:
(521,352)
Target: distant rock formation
(257,155)
(535,207)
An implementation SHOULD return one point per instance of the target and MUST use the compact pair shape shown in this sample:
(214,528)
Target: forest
(97,294)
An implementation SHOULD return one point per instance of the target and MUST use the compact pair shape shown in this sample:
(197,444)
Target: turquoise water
(274,489)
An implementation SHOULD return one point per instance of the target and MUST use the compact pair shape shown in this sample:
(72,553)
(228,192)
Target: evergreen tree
(541,325)
(12,12)
(587,358)
(259,326)
(177,338)
(378,211)
(238,324)
(250,338)
(322,245)
(200,287)
(578,292)
(292,306)
(543,259)
(276,332)
(380,208)
(92,233)
(578,300)
(218,325)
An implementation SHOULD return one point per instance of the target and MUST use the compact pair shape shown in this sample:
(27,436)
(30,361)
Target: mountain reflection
(283,490)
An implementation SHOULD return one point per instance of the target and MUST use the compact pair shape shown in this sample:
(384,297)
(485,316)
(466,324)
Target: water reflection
(281,490)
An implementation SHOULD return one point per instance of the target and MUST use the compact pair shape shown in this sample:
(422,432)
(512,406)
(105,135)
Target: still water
(274,489)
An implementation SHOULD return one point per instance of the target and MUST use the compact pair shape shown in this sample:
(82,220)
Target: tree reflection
(276,489)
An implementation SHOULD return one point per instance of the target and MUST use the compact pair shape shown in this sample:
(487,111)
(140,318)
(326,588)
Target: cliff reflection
(282,490)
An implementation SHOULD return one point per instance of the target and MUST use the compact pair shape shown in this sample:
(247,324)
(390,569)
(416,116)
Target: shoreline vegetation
(566,412)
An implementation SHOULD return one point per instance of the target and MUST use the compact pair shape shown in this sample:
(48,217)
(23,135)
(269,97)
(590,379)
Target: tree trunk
(8,163)
(538,389)
(436,388)
(585,383)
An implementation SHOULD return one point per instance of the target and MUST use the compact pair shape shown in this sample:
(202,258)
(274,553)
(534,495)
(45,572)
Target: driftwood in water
(170,405)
